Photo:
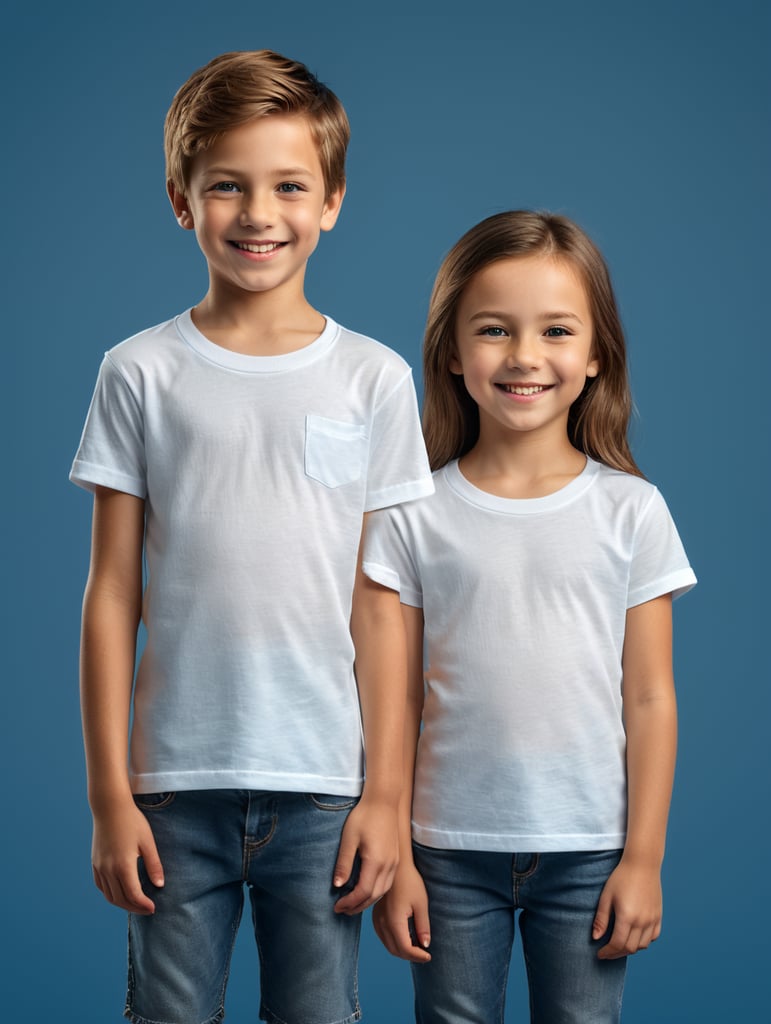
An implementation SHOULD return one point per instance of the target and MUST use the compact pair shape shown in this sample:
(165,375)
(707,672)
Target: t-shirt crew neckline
(521,506)
(243,363)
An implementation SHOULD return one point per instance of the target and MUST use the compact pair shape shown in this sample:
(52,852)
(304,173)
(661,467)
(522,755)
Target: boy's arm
(111,614)
(406,901)
(632,895)
(370,830)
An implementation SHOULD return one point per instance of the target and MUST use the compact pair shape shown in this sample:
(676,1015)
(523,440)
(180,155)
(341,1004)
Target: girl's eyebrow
(564,315)
(496,314)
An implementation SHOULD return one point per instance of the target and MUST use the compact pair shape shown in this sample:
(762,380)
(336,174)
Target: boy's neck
(258,324)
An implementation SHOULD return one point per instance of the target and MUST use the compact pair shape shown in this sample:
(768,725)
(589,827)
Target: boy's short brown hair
(237,87)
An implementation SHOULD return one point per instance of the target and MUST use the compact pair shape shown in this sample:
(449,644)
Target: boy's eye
(225,186)
(289,187)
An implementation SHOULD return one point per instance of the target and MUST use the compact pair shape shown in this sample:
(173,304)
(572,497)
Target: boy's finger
(601,918)
(344,864)
(421,927)
(361,896)
(153,867)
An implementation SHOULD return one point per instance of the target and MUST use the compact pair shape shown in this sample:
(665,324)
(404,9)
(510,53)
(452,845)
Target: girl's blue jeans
(283,847)
(473,899)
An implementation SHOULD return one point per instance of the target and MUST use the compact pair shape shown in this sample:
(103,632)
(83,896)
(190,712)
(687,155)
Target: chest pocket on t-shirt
(335,452)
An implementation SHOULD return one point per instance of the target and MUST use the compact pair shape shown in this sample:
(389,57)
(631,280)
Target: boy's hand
(121,836)
(406,901)
(370,832)
(632,896)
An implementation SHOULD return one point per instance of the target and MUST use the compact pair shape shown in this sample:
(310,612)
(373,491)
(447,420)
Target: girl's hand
(369,831)
(632,897)
(407,900)
(121,836)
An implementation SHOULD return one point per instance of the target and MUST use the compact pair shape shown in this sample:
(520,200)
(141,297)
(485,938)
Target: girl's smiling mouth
(524,389)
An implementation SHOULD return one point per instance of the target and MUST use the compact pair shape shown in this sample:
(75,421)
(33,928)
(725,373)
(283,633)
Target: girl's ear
(180,206)
(593,368)
(455,365)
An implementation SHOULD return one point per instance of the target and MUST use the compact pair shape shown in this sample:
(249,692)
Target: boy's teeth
(515,389)
(268,247)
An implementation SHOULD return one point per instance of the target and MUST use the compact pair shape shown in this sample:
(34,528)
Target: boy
(238,448)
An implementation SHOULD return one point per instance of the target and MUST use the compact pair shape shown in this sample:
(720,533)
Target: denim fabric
(473,901)
(283,846)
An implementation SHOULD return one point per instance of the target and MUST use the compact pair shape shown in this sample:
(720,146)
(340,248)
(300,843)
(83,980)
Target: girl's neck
(527,468)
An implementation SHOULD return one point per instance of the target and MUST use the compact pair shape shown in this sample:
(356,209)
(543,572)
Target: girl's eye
(493,332)
(289,187)
(557,332)
(225,186)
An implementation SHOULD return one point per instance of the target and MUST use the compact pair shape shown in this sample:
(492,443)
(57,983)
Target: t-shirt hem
(89,476)
(399,493)
(171,782)
(441,839)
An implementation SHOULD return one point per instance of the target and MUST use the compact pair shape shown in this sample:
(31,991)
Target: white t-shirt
(523,746)
(256,472)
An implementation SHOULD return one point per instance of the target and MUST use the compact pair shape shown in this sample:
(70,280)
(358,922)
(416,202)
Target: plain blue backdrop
(647,123)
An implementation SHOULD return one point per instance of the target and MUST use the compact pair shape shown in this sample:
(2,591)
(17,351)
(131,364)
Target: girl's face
(524,344)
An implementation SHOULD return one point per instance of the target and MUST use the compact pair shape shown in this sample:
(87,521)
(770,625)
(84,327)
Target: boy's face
(256,201)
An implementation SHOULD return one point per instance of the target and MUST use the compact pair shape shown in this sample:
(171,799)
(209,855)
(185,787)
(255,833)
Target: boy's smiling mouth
(258,247)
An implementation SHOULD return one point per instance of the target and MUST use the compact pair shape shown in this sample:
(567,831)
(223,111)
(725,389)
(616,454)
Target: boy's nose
(257,211)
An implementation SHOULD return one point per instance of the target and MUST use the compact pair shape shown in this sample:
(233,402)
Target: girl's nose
(523,354)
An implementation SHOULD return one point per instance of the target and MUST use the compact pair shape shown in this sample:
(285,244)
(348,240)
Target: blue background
(646,122)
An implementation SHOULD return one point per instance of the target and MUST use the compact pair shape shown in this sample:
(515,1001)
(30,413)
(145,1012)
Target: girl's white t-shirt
(523,745)
(256,473)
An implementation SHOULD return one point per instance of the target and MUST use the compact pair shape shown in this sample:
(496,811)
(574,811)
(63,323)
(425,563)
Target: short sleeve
(111,451)
(398,466)
(389,557)
(659,562)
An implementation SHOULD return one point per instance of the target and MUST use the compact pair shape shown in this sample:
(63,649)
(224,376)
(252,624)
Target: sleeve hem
(89,476)
(389,578)
(399,493)
(676,583)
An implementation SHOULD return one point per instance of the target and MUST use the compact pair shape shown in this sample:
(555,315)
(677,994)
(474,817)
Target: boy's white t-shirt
(256,473)
(523,745)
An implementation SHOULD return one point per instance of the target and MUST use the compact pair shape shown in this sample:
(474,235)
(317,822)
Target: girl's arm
(111,614)
(370,830)
(632,895)
(407,900)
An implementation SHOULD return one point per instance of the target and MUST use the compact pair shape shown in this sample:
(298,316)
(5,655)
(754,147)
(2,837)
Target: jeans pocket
(153,801)
(332,802)
(335,452)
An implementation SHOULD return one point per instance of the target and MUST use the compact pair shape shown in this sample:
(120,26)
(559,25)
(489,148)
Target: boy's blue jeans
(283,846)
(472,901)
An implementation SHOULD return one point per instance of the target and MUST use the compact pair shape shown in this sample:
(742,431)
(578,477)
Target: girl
(542,571)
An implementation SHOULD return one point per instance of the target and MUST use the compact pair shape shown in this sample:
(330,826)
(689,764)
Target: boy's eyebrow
(281,172)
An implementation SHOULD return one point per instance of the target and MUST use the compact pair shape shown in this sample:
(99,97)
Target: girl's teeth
(523,391)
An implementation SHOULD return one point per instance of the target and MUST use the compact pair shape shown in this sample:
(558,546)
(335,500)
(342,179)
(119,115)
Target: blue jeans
(473,899)
(283,846)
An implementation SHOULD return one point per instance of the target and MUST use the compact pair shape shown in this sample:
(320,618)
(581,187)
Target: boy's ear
(331,209)
(180,206)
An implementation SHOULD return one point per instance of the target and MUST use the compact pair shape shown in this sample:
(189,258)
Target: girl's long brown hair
(599,418)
